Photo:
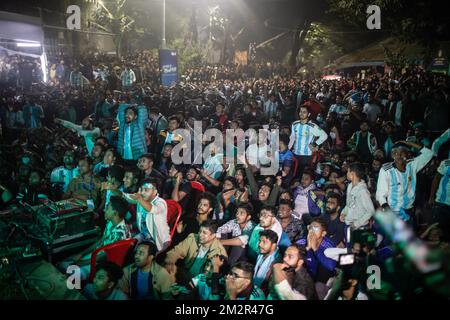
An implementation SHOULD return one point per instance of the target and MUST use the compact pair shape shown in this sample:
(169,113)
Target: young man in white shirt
(396,187)
(151,214)
(86,130)
(358,207)
(306,137)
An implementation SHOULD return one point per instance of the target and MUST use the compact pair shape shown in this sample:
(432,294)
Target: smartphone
(346,259)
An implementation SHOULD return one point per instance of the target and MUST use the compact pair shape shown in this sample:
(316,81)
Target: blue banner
(168,64)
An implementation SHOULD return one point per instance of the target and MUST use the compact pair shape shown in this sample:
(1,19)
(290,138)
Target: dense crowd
(103,131)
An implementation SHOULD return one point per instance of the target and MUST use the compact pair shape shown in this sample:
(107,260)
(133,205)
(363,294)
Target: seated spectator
(268,255)
(130,181)
(239,230)
(109,159)
(226,202)
(151,214)
(347,285)
(191,224)
(115,230)
(97,154)
(291,225)
(36,191)
(146,279)
(290,278)
(335,227)
(164,164)
(307,201)
(105,281)
(319,266)
(208,285)
(239,283)
(267,221)
(145,164)
(196,250)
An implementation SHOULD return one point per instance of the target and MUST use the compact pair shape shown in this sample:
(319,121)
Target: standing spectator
(359,207)
(371,108)
(76,78)
(61,72)
(32,114)
(363,142)
(128,78)
(396,187)
(303,140)
(131,141)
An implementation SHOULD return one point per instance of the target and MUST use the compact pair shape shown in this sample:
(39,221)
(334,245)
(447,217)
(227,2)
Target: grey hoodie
(359,206)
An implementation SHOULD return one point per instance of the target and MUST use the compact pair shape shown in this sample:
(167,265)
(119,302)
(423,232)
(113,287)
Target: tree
(425,22)
(116,17)
(299,38)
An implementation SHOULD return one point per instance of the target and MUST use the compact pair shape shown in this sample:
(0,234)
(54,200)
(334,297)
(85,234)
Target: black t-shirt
(335,229)
(190,226)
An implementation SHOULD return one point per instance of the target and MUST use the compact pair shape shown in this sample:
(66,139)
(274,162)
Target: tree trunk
(299,38)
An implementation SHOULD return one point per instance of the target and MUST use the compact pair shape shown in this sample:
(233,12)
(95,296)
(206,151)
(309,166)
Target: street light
(163,45)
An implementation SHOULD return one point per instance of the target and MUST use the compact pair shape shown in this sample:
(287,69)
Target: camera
(346,259)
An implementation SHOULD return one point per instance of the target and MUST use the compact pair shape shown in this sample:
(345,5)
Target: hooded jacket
(359,206)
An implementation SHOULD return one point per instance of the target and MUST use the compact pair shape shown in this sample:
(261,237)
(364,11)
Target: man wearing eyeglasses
(239,283)
(267,221)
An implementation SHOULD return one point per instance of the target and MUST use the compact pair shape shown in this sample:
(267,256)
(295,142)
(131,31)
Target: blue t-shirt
(144,291)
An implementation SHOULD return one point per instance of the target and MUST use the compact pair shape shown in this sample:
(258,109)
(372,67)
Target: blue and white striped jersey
(398,189)
(303,134)
(443,192)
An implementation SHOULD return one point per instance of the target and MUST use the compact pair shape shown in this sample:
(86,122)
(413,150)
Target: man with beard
(306,137)
(146,279)
(335,227)
(145,165)
(151,214)
(396,187)
(86,130)
(290,279)
(191,224)
(131,142)
(130,181)
(61,176)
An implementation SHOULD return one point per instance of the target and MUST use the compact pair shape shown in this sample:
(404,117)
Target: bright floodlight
(28,44)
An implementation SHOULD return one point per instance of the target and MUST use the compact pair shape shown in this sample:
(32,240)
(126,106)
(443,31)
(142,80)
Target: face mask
(26,160)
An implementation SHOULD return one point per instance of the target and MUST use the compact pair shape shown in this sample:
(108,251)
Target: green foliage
(318,48)
(189,54)
(410,21)
(395,60)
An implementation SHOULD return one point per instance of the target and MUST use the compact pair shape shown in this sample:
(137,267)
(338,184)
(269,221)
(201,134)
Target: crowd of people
(103,131)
